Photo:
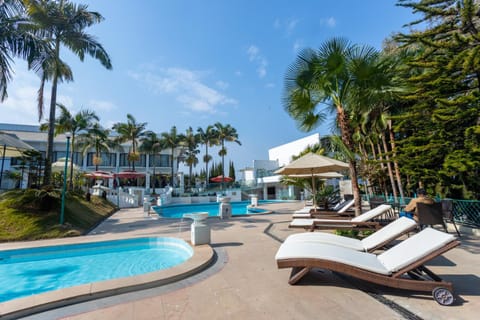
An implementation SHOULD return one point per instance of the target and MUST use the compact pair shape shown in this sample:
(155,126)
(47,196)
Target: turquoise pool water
(177,210)
(26,272)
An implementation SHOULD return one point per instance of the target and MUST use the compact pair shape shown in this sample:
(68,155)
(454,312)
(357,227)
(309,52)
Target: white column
(265,194)
(147,175)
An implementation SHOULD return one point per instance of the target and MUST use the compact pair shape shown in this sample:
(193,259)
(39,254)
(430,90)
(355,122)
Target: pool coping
(13,309)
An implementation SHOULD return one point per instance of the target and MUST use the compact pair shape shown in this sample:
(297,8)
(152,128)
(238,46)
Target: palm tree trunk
(223,165)
(389,167)
(395,162)
(345,129)
(385,191)
(206,164)
(47,174)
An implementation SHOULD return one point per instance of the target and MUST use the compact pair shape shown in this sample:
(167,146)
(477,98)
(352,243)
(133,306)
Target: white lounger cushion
(392,260)
(347,206)
(306,209)
(390,231)
(414,248)
(312,250)
(327,238)
(370,214)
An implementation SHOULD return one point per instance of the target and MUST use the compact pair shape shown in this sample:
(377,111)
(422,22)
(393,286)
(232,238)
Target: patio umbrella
(59,165)
(220,178)
(99,175)
(129,174)
(11,146)
(312,164)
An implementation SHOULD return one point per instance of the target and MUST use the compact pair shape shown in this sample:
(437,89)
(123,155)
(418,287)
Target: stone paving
(244,282)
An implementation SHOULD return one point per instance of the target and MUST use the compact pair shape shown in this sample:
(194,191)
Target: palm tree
(225,133)
(130,131)
(74,124)
(151,144)
(62,24)
(338,74)
(208,138)
(190,142)
(17,39)
(171,140)
(97,138)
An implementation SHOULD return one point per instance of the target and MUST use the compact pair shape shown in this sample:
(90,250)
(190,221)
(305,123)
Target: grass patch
(35,214)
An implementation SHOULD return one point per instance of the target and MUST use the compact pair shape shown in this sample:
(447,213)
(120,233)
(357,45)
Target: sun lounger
(401,266)
(374,241)
(361,222)
(337,210)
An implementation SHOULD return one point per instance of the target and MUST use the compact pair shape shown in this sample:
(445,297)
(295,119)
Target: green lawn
(30,219)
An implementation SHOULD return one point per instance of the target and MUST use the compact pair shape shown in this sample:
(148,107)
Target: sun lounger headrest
(370,214)
(346,206)
(396,228)
(414,248)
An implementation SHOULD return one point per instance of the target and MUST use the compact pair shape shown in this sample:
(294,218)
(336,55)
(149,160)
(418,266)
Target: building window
(159,160)
(108,159)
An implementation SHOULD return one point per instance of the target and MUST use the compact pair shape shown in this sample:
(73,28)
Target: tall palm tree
(74,124)
(97,138)
(190,142)
(151,144)
(17,40)
(225,133)
(130,131)
(171,140)
(62,24)
(341,75)
(208,138)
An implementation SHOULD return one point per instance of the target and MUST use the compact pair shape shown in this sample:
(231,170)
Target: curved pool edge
(13,309)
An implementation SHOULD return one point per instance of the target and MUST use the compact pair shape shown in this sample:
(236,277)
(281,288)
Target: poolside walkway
(244,282)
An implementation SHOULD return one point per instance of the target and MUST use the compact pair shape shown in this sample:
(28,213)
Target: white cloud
(288,25)
(329,22)
(256,57)
(21,104)
(222,85)
(99,105)
(298,45)
(187,87)
(270,85)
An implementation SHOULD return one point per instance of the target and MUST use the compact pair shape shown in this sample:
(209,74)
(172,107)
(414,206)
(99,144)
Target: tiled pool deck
(244,283)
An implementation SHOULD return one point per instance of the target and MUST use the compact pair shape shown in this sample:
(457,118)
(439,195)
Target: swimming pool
(178,210)
(25,272)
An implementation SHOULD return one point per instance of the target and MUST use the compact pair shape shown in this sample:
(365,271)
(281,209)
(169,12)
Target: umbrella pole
(3,161)
(314,192)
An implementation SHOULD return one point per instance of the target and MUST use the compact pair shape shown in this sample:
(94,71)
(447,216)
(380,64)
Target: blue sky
(194,63)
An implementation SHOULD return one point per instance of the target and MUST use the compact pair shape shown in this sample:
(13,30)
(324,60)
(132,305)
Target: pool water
(26,272)
(177,211)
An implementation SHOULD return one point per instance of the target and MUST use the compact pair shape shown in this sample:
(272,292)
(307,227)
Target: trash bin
(253,200)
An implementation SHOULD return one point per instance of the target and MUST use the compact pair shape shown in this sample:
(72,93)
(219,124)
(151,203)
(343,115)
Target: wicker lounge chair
(361,222)
(374,241)
(401,266)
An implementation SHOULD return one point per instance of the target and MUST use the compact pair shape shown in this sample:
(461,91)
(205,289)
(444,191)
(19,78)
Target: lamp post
(62,210)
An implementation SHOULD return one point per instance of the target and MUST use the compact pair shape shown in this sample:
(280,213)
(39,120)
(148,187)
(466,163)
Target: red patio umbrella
(219,179)
(129,174)
(99,175)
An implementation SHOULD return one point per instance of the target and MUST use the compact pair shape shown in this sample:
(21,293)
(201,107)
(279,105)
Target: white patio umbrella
(312,164)
(59,165)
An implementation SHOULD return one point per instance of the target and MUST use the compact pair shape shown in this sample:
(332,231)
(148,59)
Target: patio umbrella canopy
(129,174)
(99,175)
(221,179)
(59,165)
(311,165)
